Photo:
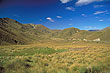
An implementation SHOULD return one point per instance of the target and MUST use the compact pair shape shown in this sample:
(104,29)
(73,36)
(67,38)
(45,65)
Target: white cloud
(85,2)
(101,20)
(70,8)
(98,6)
(84,15)
(59,16)
(65,1)
(99,12)
(50,19)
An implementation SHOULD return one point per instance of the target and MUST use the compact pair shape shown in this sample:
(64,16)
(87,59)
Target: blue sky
(59,14)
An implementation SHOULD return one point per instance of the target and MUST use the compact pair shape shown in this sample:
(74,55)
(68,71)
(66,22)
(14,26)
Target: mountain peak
(40,26)
(71,28)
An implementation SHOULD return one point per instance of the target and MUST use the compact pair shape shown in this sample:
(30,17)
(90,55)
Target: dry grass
(80,57)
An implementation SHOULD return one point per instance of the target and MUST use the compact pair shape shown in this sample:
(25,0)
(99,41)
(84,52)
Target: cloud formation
(100,12)
(85,2)
(70,8)
(59,16)
(50,19)
(65,1)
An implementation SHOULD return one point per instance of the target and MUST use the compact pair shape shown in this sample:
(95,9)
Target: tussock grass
(88,58)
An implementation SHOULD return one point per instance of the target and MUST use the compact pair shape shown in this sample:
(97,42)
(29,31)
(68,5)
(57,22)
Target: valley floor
(56,57)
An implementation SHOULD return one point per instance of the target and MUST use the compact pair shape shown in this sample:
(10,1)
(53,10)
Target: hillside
(104,35)
(68,32)
(10,32)
(13,32)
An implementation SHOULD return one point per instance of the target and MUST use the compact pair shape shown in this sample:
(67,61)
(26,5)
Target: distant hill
(13,32)
(68,32)
(94,30)
(103,35)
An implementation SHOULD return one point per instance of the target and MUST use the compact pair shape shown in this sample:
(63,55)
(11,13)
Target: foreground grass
(19,59)
(30,51)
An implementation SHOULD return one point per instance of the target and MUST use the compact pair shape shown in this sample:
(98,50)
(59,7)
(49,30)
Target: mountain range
(13,32)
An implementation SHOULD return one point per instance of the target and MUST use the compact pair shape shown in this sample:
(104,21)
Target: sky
(59,14)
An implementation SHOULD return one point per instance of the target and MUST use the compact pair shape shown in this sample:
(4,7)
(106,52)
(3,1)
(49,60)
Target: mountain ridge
(13,32)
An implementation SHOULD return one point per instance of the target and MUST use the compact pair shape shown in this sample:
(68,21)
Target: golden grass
(82,57)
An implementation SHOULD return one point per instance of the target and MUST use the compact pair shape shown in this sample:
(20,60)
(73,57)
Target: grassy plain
(56,56)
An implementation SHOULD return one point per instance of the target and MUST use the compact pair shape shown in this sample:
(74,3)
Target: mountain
(102,35)
(94,30)
(10,32)
(68,32)
(42,29)
(13,32)
(82,34)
